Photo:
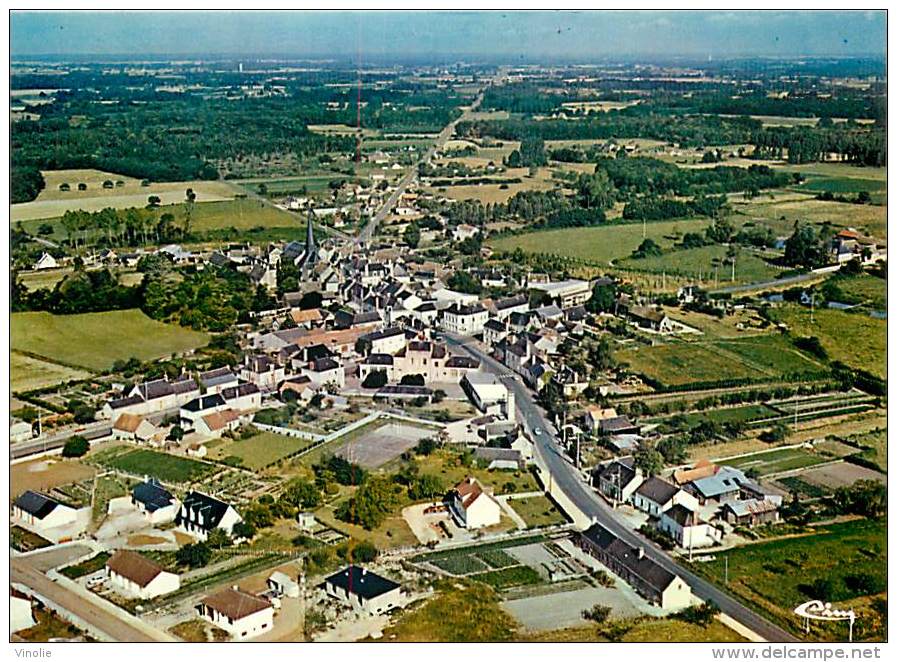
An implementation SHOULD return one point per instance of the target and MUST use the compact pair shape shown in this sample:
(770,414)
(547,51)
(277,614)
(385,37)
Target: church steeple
(311,250)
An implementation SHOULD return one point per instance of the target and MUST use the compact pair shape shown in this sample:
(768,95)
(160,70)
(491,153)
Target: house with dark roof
(503,308)
(631,564)
(655,496)
(201,513)
(650,319)
(194,410)
(243,397)
(325,371)
(154,501)
(363,590)
(384,341)
(49,518)
(465,320)
(263,371)
(687,529)
(152,397)
(215,381)
(135,576)
(237,612)
(617,479)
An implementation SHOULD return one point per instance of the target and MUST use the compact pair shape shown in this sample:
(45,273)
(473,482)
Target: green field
(27,373)
(702,262)
(743,414)
(537,511)
(867,290)
(240,214)
(598,245)
(460,564)
(756,357)
(96,340)
(772,462)
(165,467)
(781,215)
(259,451)
(505,578)
(857,340)
(778,575)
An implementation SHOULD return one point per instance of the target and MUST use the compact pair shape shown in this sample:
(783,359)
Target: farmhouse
(727,484)
(152,397)
(752,512)
(135,576)
(48,518)
(215,381)
(241,614)
(655,496)
(218,422)
(650,319)
(472,506)
(387,341)
(201,513)
(192,412)
(595,414)
(245,397)
(688,530)
(618,479)
(262,371)
(650,580)
(132,427)
(45,261)
(363,590)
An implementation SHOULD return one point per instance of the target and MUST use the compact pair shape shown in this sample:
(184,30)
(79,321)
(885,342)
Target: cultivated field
(857,340)
(492,193)
(44,475)
(241,214)
(96,340)
(259,451)
(755,357)
(143,462)
(781,216)
(705,263)
(786,459)
(27,373)
(52,202)
(598,245)
(537,511)
(778,575)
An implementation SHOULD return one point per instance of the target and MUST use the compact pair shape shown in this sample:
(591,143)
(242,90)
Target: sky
(503,34)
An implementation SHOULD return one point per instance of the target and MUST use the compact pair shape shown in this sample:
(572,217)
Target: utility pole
(733,268)
(726,559)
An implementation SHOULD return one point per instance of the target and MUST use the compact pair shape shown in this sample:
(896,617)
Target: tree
(803,248)
(176,433)
(75,447)
(868,498)
(648,459)
(648,248)
(195,555)
(243,530)
(412,380)
(464,281)
(218,539)
(373,501)
(595,191)
(154,200)
(375,379)
(362,551)
(426,446)
(302,494)
(426,486)
(603,299)
(702,614)
(412,235)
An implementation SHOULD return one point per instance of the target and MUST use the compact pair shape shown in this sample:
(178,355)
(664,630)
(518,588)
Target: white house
(325,371)
(217,423)
(192,412)
(46,261)
(156,503)
(687,529)
(464,231)
(136,576)
(474,507)
(465,320)
(566,293)
(241,614)
(363,590)
(215,381)
(655,496)
(48,518)
(283,584)
(20,431)
(201,513)
(132,427)
(20,616)
(387,341)
(245,397)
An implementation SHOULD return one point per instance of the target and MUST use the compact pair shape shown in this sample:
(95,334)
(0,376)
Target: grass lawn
(701,262)
(43,279)
(462,564)
(165,467)
(857,340)
(96,340)
(259,451)
(781,215)
(868,290)
(598,245)
(460,612)
(776,576)
(493,193)
(393,532)
(446,464)
(876,442)
(537,511)
(777,461)
(27,373)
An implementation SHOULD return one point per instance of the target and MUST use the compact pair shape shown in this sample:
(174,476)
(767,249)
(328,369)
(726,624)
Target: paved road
(368,231)
(568,479)
(104,620)
(53,441)
(778,282)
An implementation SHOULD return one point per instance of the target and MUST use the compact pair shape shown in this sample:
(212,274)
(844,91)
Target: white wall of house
(389,344)
(467,324)
(373,606)
(244,628)
(62,523)
(164,582)
(676,596)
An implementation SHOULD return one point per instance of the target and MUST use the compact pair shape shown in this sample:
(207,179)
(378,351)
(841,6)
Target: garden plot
(382,445)
(840,474)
